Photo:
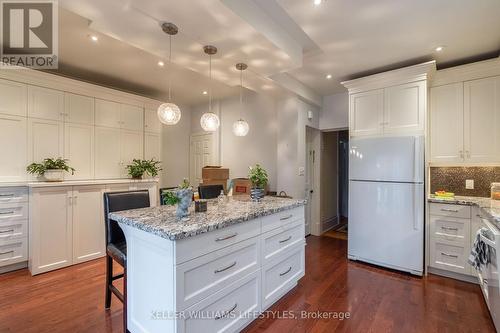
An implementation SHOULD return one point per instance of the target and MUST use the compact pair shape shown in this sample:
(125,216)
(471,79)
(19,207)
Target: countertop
(489,208)
(162,221)
(77,182)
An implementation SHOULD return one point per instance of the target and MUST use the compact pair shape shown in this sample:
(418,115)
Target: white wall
(335,112)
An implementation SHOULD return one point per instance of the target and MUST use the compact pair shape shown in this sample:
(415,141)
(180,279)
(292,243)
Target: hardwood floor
(72,299)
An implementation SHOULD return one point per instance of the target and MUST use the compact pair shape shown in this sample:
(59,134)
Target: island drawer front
(193,247)
(13,194)
(451,210)
(13,230)
(282,274)
(203,276)
(449,256)
(13,211)
(281,219)
(13,251)
(229,310)
(450,229)
(277,241)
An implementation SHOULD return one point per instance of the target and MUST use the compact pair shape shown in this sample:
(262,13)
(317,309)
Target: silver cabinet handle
(7,213)
(11,251)
(449,210)
(485,281)
(286,217)
(449,255)
(227,312)
(6,195)
(6,231)
(225,268)
(286,239)
(226,237)
(449,228)
(286,272)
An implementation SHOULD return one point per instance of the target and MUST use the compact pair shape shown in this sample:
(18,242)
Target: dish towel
(480,252)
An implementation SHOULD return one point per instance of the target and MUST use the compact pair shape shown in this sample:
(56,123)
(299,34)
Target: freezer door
(386,224)
(399,159)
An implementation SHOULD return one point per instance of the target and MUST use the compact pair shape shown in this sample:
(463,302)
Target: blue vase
(185,198)
(257,194)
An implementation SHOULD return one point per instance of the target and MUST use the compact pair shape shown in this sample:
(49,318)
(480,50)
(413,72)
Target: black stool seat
(118,252)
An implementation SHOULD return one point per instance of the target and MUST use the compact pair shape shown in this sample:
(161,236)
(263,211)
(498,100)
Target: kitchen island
(215,272)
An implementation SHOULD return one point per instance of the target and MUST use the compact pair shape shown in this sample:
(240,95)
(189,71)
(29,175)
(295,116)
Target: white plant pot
(54,175)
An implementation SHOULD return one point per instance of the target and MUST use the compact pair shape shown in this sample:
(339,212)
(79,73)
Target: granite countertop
(162,221)
(490,208)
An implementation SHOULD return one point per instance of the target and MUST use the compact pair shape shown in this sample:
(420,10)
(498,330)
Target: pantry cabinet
(79,109)
(79,150)
(44,103)
(45,138)
(151,122)
(13,130)
(117,115)
(13,98)
(152,144)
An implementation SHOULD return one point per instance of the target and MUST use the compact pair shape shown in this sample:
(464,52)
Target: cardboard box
(214,172)
(241,186)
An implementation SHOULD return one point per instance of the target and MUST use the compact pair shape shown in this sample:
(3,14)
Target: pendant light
(240,127)
(210,121)
(169,113)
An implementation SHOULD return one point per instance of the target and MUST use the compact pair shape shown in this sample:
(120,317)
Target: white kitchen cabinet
(13,136)
(447,124)
(132,117)
(51,234)
(107,113)
(45,139)
(404,108)
(44,103)
(131,148)
(79,109)
(151,122)
(152,146)
(79,150)
(107,153)
(13,98)
(88,223)
(366,113)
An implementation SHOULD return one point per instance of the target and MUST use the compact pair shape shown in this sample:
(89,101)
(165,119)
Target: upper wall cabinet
(46,139)
(132,117)
(79,150)
(367,113)
(79,109)
(13,98)
(152,124)
(404,108)
(13,132)
(45,103)
(116,115)
(152,146)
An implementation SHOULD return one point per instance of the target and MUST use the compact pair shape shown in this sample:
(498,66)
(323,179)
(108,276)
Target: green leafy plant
(169,198)
(49,164)
(185,184)
(140,167)
(258,176)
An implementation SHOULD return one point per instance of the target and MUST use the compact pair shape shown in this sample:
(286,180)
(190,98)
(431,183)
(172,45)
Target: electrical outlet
(469,184)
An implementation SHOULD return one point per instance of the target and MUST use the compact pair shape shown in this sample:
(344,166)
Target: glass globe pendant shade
(209,122)
(240,128)
(169,113)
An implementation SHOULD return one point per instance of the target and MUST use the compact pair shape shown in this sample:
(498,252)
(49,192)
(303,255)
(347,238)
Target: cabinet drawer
(13,251)
(201,277)
(282,218)
(279,240)
(459,211)
(282,274)
(449,256)
(228,310)
(13,194)
(13,230)
(450,229)
(193,247)
(13,211)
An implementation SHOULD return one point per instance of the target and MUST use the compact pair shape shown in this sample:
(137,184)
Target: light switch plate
(469,184)
(302,171)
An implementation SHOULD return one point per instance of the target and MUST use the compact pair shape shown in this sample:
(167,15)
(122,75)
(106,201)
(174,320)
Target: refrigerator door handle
(416,209)
(416,160)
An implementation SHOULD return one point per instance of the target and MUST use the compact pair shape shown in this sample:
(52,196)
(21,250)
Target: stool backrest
(209,191)
(117,201)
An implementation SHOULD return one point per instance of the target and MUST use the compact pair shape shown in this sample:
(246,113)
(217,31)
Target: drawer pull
(286,217)
(449,255)
(1,253)
(7,195)
(449,210)
(6,231)
(225,268)
(286,272)
(226,237)
(485,281)
(286,240)
(7,213)
(226,313)
(449,228)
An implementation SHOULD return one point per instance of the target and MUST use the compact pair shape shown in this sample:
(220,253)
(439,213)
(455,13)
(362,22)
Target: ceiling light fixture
(317,2)
(329,76)
(161,63)
(240,127)
(205,92)
(94,38)
(439,48)
(210,121)
(169,113)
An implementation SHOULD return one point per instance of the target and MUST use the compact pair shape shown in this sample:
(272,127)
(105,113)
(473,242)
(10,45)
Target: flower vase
(185,198)
(257,194)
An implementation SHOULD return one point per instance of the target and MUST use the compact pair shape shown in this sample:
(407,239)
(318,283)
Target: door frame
(191,162)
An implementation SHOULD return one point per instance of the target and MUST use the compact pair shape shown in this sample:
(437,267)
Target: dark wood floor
(71,299)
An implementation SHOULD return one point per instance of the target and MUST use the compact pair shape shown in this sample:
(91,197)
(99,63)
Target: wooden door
(201,155)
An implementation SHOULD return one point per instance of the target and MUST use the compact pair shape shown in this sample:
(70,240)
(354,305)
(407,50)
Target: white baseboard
(453,275)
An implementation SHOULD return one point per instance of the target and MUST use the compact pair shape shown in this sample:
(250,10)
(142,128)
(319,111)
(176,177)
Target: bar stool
(116,246)
(209,191)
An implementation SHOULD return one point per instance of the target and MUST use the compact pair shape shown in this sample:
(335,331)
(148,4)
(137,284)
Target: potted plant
(52,169)
(185,196)
(258,177)
(139,168)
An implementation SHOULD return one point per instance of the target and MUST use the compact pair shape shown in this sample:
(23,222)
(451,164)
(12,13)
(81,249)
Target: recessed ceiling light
(94,38)
(439,48)
(205,92)
(161,63)
(317,2)
(329,76)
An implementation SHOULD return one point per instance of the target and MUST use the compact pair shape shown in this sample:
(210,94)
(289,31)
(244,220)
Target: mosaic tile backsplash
(452,179)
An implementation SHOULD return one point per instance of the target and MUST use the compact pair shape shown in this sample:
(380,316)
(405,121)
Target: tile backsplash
(452,179)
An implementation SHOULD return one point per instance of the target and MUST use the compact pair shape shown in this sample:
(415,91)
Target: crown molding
(472,71)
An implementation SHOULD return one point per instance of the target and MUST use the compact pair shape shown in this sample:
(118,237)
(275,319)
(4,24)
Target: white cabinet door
(152,146)
(131,147)
(51,235)
(107,113)
(366,113)
(447,124)
(79,109)
(13,98)
(151,124)
(404,108)
(79,150)
(45,139)
(107,153)
(482,120)
(88,223)
(13,136)
(44,103)
(132,117)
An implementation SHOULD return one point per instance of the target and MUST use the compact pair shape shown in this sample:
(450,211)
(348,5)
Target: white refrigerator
(386,202)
